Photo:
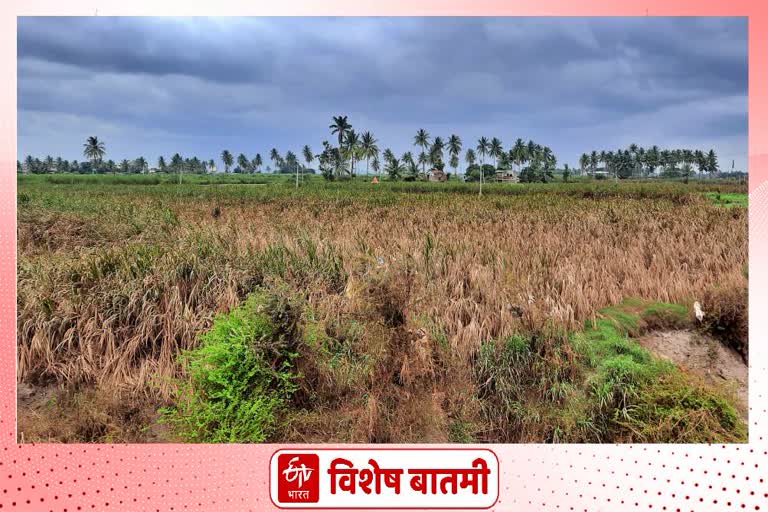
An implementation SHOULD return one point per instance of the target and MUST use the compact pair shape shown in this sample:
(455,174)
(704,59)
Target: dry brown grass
(427,278)
(727,313)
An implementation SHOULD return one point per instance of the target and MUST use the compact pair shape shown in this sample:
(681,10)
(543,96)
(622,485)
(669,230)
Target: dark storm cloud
(160,85)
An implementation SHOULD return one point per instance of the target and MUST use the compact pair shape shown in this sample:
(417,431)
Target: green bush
(241,376)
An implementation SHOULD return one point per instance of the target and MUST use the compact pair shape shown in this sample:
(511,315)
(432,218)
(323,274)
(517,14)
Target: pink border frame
(533,477)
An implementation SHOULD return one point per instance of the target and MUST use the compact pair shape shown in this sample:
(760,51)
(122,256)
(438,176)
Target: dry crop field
(352,312)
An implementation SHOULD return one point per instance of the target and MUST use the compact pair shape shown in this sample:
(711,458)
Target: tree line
(339,161)
(639,161)
(530,161)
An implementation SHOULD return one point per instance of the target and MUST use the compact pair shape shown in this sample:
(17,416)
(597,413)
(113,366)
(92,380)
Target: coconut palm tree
(94,150)
(436,151)
(483,146)
(423,161)
(584,162)
(712,166)
(470,157)
(340,127)
(686,171)
(517,153)
(550,161)
(531,150)
(306,152)
(375,165)
(454,163)
(388,155)
(687,156)
(639,159)
(292,164)
(700,159)
(495,150)
(352,149)
(243,163)
(161,164)
(395,169)
(177,163)
(257,162)
(454,148)
(593,160)
(226,158)
(652,159)
(422,140)
(369,149)
(275,157)
(141,163)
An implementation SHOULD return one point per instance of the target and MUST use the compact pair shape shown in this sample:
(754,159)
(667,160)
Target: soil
(703,356)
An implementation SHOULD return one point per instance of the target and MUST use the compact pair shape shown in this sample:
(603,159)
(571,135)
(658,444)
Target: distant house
(601,173)
(507,175)
(437,175)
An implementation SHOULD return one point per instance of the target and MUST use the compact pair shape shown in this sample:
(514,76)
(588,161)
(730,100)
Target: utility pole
(482,171)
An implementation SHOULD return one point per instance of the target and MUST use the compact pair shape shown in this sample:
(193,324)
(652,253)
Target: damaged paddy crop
(397,312)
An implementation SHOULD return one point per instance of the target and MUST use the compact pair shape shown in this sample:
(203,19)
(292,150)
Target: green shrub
(241,376)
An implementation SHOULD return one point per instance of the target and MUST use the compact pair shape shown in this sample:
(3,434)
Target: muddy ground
(703,356)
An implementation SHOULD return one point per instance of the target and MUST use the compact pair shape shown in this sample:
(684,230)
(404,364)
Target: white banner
(369,478)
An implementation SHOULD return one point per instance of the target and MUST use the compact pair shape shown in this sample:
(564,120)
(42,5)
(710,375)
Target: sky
(151,86)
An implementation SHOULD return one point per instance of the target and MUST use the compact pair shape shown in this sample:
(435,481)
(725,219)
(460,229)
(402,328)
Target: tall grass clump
(504,373)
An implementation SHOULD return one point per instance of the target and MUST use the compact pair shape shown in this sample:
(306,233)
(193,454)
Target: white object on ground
(697,310)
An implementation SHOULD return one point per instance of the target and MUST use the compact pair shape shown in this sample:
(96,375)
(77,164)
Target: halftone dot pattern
(534,477)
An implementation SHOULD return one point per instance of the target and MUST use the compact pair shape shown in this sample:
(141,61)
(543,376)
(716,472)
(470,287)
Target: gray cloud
(155,86)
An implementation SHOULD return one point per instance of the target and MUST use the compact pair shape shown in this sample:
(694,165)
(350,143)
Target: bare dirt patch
(704,356)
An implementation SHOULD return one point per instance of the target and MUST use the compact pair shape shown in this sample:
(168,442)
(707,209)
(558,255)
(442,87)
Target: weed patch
(241,377)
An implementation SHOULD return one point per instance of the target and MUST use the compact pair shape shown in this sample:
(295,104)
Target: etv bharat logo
(298,478)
